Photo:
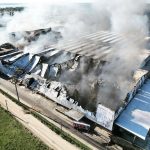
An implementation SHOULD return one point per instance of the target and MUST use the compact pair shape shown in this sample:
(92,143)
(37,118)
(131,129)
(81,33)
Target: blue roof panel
(135,117)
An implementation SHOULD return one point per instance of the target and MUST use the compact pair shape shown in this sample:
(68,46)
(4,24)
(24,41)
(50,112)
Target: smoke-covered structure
(84,60)
(73,80)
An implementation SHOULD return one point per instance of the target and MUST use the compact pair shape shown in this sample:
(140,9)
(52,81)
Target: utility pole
(61,126)
(6,104)
(18,72)
(17,90)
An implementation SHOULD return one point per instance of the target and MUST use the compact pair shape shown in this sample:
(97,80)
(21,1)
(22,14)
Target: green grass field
(13,136)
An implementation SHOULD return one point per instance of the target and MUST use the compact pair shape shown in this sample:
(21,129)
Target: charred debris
(68,78)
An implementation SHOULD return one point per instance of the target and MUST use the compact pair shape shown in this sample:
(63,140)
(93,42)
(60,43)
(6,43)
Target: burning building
(92,75)
(71,75)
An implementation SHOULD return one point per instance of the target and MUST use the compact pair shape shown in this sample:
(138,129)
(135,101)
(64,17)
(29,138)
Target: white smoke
(125,17)
(73,20)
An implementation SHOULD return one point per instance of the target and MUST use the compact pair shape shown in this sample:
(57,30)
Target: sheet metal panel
(136,117)
(74,114)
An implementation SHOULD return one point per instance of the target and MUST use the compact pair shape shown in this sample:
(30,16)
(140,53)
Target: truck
(81,126)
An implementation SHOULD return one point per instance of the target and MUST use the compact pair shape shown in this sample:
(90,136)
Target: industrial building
(58,70)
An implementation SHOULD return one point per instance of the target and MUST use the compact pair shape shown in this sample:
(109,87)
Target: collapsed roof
(69,74)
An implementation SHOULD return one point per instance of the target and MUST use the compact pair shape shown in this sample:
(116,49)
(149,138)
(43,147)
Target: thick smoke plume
(73,20)
(125,17)
(128,19)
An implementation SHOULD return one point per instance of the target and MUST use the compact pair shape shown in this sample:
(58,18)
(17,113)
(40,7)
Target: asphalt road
(45,106)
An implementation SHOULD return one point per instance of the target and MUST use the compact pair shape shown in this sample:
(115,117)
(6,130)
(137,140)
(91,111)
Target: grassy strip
(14,100)
(13,135)
(54,128)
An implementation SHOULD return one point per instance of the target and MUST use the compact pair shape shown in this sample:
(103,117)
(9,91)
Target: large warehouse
(59,72)
(90,62)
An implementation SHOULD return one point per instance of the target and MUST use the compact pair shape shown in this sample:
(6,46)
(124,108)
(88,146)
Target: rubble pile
(63,77)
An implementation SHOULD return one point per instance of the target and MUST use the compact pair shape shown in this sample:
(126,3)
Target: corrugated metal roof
(136,117)
(96,45)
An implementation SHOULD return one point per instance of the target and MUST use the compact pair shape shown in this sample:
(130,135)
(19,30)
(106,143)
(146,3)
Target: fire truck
(81,126)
